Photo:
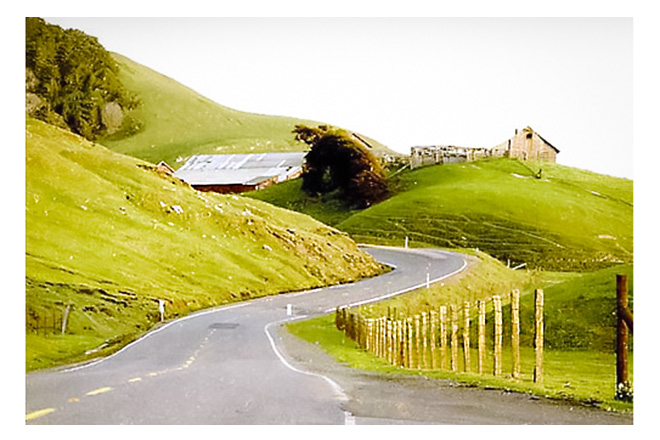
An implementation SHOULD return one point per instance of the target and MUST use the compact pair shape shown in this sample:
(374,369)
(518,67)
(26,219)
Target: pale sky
(408,81)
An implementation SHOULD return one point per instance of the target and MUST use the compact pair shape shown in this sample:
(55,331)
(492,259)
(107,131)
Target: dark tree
(339,162)
(71,78)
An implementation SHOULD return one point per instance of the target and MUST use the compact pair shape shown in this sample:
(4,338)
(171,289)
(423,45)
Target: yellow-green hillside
(174,122)
(109,235)
(569,219)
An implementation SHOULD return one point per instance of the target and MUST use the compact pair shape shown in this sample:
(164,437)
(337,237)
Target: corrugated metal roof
(240,169)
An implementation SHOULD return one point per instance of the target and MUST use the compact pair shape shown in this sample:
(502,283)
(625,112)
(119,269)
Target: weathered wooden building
(526,144)
(235,173)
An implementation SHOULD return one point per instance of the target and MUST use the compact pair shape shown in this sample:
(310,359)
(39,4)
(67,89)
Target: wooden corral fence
(430,340)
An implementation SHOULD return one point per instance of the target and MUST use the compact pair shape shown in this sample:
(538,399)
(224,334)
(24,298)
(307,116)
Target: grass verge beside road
(579,361)
(586,377)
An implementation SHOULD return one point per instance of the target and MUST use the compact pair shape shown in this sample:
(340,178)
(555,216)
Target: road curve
(221,365)
(229,365)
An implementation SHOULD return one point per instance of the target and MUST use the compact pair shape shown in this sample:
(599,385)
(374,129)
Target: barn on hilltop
(526,144)
(235,173)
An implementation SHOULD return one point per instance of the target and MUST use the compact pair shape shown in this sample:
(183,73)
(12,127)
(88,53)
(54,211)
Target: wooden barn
(235,173)
(526,144)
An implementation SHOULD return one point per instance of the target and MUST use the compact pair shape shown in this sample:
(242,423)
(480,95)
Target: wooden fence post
(409,329)
(399,343)
(360,331)
(434,337)
(482,336)
(376,327)
(386,338)
(515,333)
(381,337)
(443,337)
(621,331)
(390,341)
(376,336)
(425,325)
(353,326)
(454,337)
(417,343)
(497,343)
(466,337)
(358,328)
(538,335)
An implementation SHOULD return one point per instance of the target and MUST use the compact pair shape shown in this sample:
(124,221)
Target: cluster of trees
(71,80)
(340,163)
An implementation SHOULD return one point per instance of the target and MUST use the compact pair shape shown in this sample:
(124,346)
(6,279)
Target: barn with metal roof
(232,173)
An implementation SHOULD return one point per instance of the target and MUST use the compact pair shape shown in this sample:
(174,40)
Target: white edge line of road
(349,418)
(338,390)
(234,306)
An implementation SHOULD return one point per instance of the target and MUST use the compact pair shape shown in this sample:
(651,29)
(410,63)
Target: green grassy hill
(579,312)
(174,122)
(569,219)
(109,235)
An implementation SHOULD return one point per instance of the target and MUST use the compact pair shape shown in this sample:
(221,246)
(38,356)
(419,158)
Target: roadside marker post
(161,309)
(65,319)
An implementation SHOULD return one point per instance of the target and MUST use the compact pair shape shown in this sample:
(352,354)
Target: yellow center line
(99,391)
(42,412)
(135,379)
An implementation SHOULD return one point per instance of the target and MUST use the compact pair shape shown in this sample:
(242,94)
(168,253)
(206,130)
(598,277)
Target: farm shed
(233,173)
(526,144)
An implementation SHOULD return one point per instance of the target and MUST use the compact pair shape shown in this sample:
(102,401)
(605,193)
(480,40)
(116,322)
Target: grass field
(289,195)
(579,361)
(568,220)
(174,122)
(109,235)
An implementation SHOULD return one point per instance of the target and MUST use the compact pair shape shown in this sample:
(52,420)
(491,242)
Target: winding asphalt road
(235,365)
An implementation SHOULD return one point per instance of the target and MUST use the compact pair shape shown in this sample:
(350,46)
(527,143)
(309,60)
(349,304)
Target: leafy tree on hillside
(71,80)
(339,162)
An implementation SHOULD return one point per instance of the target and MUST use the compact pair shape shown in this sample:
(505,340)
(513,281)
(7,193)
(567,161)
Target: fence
(47,320)
(430,340)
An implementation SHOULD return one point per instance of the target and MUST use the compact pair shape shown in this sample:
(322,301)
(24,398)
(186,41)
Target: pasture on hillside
(107,236)
(567,220)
